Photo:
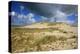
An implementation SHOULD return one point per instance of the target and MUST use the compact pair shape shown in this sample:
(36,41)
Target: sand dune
(44,37)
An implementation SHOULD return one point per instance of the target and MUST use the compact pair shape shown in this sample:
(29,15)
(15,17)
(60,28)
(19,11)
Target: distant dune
(44,25)
(62,26)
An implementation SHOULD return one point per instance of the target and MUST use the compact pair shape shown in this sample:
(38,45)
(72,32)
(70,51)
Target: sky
(25,13)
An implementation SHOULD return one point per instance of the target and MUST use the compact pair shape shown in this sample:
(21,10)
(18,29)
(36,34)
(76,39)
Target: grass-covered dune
(55,37)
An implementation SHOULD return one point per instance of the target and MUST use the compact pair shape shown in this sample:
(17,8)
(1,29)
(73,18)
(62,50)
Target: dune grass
(22,41)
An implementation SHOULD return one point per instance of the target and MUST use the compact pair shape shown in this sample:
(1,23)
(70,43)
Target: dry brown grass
(43,39)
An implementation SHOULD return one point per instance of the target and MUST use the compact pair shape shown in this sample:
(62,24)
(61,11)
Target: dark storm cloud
(49,10)
(70,9)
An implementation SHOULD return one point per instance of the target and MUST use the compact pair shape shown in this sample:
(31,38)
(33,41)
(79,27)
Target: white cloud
(30,17)
(20,16)
(32,20)
(12,13)
(60,15)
